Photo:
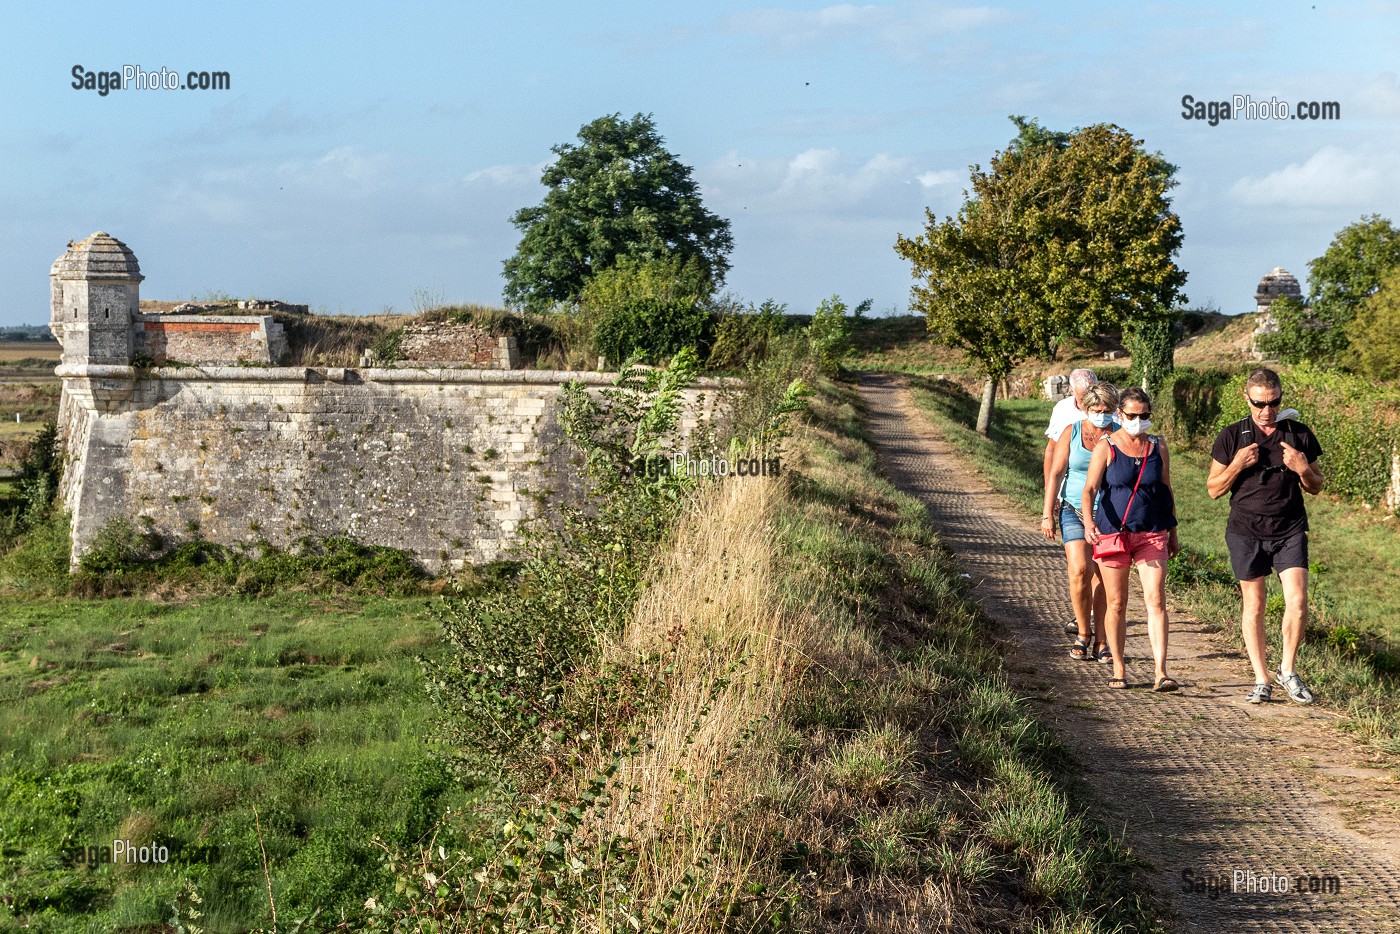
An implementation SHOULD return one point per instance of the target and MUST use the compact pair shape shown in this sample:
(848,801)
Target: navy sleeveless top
(1153,509)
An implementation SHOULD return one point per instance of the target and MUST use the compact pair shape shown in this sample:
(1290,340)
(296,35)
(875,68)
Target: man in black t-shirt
(1266,465)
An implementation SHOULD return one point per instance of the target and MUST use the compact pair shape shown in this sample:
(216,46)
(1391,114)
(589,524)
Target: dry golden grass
(29,350)
(715,605)
(1224,342)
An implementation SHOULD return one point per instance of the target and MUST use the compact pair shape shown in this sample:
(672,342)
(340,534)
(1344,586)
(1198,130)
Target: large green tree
(1341,280)
(1067,234)
(1348,273)
(617,193)
(1376,331)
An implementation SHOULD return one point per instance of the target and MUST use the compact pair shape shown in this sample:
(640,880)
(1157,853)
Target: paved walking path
(1197,780)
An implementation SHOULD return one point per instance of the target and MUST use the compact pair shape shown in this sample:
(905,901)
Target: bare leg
(1079,556)
(1154,593)
(1115,584)
(1255,641)
(1100,601)
(1295,613)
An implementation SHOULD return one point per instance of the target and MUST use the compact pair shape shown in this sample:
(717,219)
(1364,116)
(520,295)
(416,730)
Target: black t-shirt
(1266,500)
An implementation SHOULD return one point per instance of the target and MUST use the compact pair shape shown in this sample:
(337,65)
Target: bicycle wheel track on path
(1196,780)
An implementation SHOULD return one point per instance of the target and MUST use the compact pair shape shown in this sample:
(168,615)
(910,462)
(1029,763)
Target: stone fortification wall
(445,463)
(466,343)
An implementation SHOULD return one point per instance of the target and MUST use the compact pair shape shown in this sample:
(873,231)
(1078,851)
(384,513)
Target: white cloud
(508,174)
(826,185)
(944,177)
(1331,177)
(1380,97)
(905,29)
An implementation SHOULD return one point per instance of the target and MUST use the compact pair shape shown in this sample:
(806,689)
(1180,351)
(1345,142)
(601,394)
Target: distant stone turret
(95,290)
(1279,283)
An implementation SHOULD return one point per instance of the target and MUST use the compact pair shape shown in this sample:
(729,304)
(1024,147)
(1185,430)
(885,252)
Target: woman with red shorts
(1133,471)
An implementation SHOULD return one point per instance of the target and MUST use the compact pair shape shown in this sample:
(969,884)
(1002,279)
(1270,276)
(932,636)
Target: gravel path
(1198,781)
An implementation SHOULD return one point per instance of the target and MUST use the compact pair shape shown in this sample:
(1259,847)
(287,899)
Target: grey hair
(1263,378)
(1100,394)
(1081,379)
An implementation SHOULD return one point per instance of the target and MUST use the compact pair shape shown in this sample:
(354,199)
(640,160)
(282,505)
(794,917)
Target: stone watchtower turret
(1276,284)
(95,292)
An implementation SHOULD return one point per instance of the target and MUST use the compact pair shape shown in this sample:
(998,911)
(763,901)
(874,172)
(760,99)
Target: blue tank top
(1153,509)
(1072,490)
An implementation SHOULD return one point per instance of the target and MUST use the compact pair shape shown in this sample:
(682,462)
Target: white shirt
(1064,414)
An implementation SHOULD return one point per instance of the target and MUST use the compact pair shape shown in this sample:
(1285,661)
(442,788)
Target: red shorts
(1142,547)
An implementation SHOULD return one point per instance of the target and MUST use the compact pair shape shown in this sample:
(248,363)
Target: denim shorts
(1071,526)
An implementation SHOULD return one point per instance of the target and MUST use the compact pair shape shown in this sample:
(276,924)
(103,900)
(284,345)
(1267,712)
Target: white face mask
(1136,426)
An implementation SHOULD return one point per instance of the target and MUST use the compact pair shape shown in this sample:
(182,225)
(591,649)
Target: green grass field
(198,723)
(1351,652)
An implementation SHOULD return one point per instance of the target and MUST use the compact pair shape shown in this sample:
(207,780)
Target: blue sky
(366,154)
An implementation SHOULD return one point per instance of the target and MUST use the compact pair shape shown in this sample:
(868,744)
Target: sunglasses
(1267,403)
(1136,416)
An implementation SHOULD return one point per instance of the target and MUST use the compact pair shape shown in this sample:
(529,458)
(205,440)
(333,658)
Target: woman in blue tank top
(1064,488)
(1132,469)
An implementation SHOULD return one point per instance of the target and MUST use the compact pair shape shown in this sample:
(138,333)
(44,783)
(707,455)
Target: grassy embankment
(1349,656)
(837,747)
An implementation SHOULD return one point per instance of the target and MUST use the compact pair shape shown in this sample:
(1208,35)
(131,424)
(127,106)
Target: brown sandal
(1117,684)
(1165,685)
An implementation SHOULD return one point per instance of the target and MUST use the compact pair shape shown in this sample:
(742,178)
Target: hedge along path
(1196,780)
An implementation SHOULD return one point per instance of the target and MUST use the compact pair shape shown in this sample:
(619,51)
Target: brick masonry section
(208,340)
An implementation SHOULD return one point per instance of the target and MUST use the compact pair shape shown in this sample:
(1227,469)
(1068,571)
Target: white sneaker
(1297,691)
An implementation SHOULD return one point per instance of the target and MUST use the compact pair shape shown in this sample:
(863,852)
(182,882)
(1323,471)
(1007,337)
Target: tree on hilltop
(617,193)
(1067,234)
(1341,281)
(1377,331)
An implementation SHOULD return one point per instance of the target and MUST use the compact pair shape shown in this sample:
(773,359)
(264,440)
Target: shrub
(830,334)
(649,309)
(741,337)
(38,562)
(1301,335)
(1188,405)
(120,546)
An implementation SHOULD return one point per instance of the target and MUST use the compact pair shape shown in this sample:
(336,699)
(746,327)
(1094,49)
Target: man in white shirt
(1066,413)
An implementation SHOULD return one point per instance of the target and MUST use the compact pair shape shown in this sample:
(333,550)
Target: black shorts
(1250,558)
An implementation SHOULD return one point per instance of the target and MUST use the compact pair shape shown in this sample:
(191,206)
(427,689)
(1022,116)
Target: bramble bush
(527,700)
(1187,407)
